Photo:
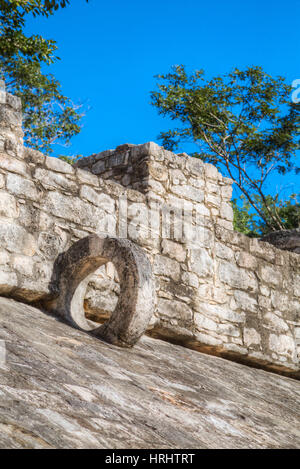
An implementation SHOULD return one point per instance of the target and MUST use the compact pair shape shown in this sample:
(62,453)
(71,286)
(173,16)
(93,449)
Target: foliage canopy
(243,122)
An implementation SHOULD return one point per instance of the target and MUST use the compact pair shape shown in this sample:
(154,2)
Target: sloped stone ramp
(62,388)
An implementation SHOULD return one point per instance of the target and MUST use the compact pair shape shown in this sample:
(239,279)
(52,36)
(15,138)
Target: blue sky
(110,52)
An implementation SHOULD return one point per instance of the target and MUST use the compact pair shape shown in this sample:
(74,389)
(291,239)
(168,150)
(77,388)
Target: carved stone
(135,306)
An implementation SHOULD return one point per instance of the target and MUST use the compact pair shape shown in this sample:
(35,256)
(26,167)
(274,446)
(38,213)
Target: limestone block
(51,179)
(264,290)
(2,97)
(237,277)
(174,309)
(55,164)
(160,173)
(190,279)
(226,211)
(23,264)
(85,177)
(202,210)
(50,244)
(202,322)
(195,166)
(15,239)
(10,118)
(276,323)
(226,192)
(271,276)
(33,156)
(245,302)
(4,257)
(156,186)
(103,201)
(213,200)
(236,349)
(166,267)
(8,206)
(296,285)
(220,312)
(211,171)
(263,250)
(224,252)
(280,300)
(197,182)
(251,337)
(13,165)
(264,302)
(99,167)
(14,102)
(173,250)
(126,180)
(8,280)
(212,188)
(71,208)
(189,192)
(225,224)
(207,339)
(244,259)
(282,344)
(229,330)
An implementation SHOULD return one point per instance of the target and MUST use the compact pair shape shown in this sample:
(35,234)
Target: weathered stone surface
(251,337)
(136,301)
(15,239)
(8,206)
(74,391)
(8,280)
(238,278)
(200,264)
(271,276)
(85,177)
(282,344)
(174,309)
(70,208)
(245,301)
(174,250)
(288,240)
(13,165)
(58,165)
(165,266)
(246,260)
(21,187)
(50,179)
(101,200)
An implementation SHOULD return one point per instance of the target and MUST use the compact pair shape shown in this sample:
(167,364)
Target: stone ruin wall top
(218,291)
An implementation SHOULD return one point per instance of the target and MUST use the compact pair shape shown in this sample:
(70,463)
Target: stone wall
(217,290)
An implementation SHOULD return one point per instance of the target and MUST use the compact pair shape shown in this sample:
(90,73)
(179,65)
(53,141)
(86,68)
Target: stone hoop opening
(135,305)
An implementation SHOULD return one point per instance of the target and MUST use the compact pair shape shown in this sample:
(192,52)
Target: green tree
(243,218)
(49,116)
(246,220)
(244,122)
